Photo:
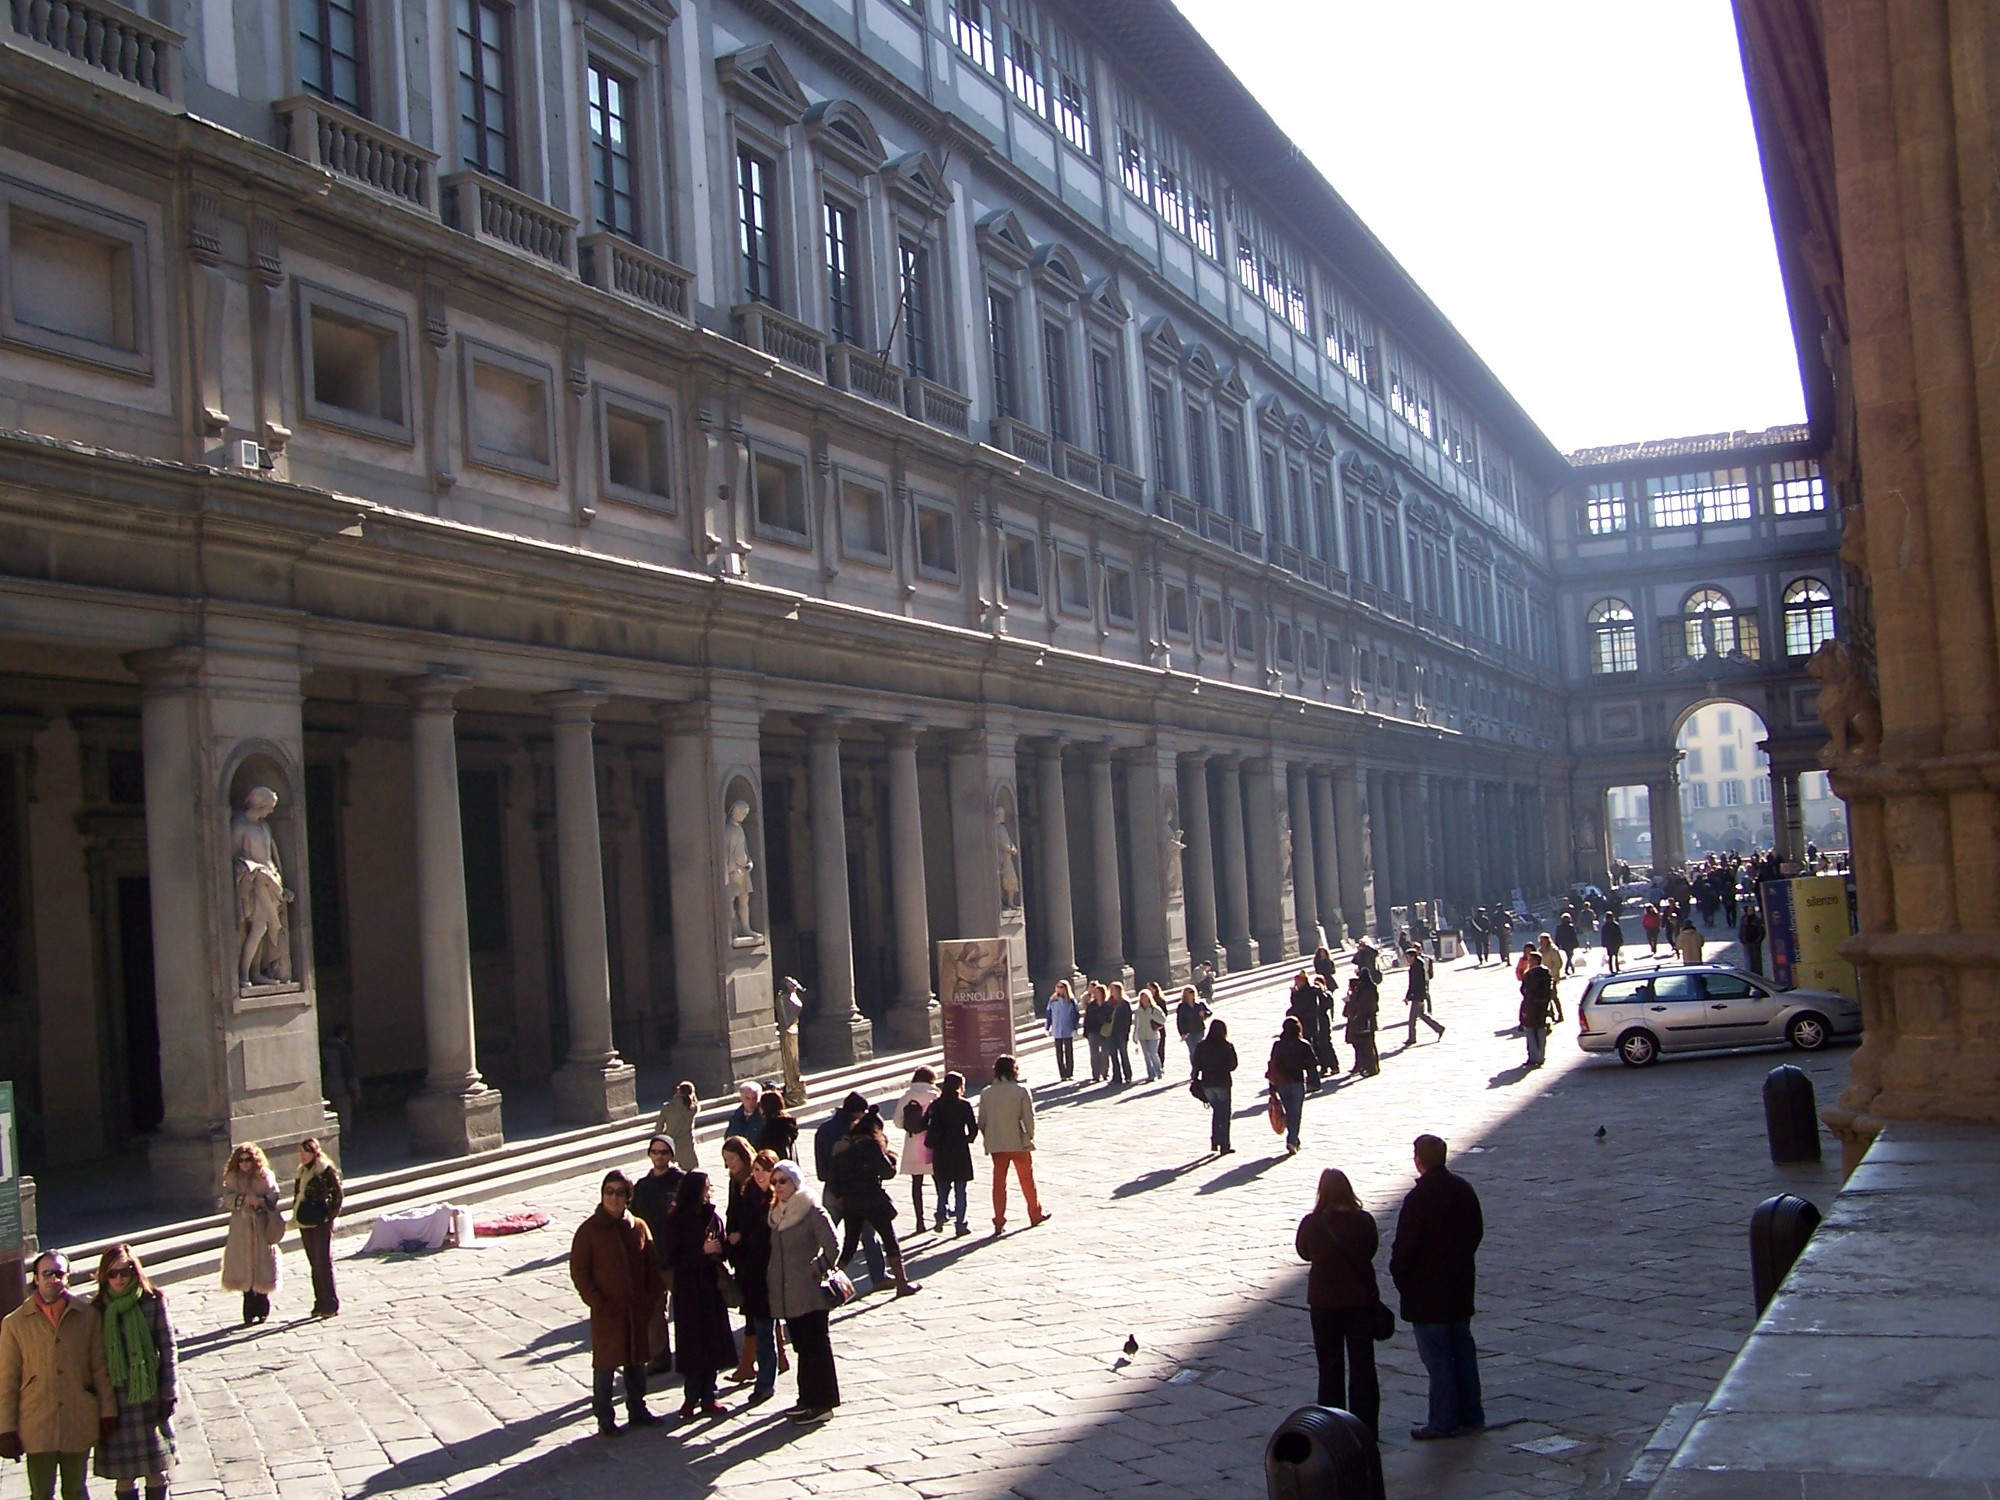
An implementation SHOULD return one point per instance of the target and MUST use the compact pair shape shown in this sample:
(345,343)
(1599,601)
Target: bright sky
(1574,182)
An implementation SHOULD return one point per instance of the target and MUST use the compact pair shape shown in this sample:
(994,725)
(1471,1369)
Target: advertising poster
(1781,943)
(1806,921)
(975,995)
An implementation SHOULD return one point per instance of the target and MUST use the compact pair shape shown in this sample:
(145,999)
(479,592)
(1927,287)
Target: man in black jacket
(1437,1234)
(830,1131)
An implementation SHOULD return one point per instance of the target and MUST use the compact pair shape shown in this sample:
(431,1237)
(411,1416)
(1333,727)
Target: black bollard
(1322,1453)
(1791,1115)
(1779,1229)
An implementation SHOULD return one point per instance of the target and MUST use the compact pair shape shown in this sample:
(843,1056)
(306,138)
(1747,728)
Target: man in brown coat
(611,1261)
(56,1400)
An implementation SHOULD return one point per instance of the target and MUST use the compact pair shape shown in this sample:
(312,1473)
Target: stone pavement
(1615,1287)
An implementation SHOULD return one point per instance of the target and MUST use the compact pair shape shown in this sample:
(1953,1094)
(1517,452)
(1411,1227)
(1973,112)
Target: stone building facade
(669,496)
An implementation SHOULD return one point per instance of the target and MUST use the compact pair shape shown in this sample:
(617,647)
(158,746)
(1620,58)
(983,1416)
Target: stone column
(1787,816)
(837,1031)
(913,1020)
(1273,876)
(1350,833)
(594,1084)
(722,969)
(1382,845)
(1198,863)
(1108,962)
(1154,844)
(1663,807)
(1305,873)
(1326,859)
(1416,817)
(456,1114)
(982,769)
(1235,879)
(1052,838)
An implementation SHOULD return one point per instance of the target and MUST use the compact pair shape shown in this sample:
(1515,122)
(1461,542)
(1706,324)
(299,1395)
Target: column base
(840,1042)
(595,1095)
(455,1124)
(1106,973)
(913,1024)
(187,1169)
(1240,954)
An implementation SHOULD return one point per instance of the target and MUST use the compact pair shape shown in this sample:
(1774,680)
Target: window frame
(601,152)
(1003,364)
(309,297)
(1068,560)
(764,453)
(508,93)
(474,353)
(930,571)
(854,331)
(129,238)
(751,267)
(1018,541)
(845,479)
(1613,638)
(609,401)
(363,103)
(1797,603)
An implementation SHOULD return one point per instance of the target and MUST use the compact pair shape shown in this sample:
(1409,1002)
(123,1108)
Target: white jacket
(915,1160)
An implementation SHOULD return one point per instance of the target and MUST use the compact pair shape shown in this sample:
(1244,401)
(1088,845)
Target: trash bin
(1791,1115)
(1779,1229)
(1322,1453)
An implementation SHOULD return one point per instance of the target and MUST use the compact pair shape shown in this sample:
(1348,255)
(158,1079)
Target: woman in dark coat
(748,1227)
(139,1347)
(1304,1007)
(1214,1071)
(1364,1001)
(862,1162)
(703,1344)
(1338,1238)
(953,1125)
(617,1274)
(778,1132)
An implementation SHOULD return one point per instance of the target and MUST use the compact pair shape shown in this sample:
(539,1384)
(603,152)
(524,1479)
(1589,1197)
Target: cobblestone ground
(1614,1286)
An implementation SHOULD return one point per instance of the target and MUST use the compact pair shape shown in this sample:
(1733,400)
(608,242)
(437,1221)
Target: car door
(1680,1009)
(1740,1010)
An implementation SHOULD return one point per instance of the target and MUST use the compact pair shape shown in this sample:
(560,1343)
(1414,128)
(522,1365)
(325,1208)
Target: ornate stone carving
(265,956)
(1847,707)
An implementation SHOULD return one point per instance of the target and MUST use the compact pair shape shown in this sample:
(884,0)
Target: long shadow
(555,1344)
(494,1446)
(1242,1172)
(1147,1181)
(1508,1077)
(217,1340)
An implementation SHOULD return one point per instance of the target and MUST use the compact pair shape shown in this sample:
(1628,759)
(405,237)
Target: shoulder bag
(274,1221)
(836,1289)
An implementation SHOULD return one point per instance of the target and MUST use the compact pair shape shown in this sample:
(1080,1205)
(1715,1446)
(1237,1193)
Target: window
(1211,624)
(1024,573)
(1614,637)
(1073,582)
(1605,511)
(1104,404)
(1696,794)
(937,543)
(1286,653)
(76,282)
(1760,790)
(1796,488)
(353,356)
(1055,379)
(1351,341)
(1727,754)
(612,194)
(780,487)
(1000,345)
(1072,112)
(1246,631)
(1693,762)
(1808,616)
(1410,394)
(1176,612)
(636,452)
(485,138)
(756,237)
(1725,721)
(1694,499)
(864,526)
(914,268)
(1197,455)
(971,24)
(1731,792)
(1229,457)
(510,413)
(1309,650)
(331,60)
(1118,593)
(843,312)
(1024,72)
(1708,624)
(1159,417)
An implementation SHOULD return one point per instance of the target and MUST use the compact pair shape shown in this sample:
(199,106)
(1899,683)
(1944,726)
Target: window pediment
(760,75)
(841,128)
(1198,365)
(1232,384)
(1001,237)
(1160,337)
(1272,416)
(918,179)
(1105,305)
(1057,273)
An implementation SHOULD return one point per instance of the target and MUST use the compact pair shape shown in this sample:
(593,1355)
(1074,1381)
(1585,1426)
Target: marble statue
(1284,849)
(736,868)
(791,1005)
(1176,845)
(261,897)
(1010,862)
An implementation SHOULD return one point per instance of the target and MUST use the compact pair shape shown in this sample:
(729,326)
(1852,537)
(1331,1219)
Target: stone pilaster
(913,1021)
(1108,963)
(1235,877)
(836,1031)
(1326,858)
(1198,863)
(986,848)
(1272,871)
(1054,898)
(1350,830)
(1305,872)
(1159,873)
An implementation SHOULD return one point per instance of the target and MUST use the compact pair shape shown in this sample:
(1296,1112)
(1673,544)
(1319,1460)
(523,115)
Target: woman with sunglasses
(612,1263)
(139,1348)
(250,1254)
(316,1197)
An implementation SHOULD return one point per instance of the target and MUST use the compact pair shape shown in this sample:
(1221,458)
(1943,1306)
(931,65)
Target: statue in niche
(1175,846)
(1851,712)
(261,897)
(1010,861)
(736,868)
(1284,849)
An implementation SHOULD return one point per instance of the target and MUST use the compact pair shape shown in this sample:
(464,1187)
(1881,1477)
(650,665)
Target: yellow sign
(1819,906)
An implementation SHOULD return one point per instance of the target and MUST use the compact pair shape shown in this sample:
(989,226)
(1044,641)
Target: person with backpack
(1191,1019)
(862,1162)
(1420,994)
(952,1127)
(913,1114)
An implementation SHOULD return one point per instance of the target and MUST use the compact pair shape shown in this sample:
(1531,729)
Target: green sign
(10,1176)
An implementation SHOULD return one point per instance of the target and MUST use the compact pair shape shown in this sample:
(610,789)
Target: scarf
(800,1206)
(128,1346)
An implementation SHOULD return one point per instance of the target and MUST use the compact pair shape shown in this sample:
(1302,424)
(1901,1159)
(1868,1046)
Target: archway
(1725,779)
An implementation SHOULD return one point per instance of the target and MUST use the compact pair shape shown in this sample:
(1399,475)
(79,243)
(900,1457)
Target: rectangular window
(1692,764)
(356,369)
(1246,631)
(1274,496)
(1732,793)
(780,488)
(612,192)
(1024,573)
(636,464)
(971,24)
(1197,455)
(1132,168)
(1697,794)
(1000,346)
(1072,113)
(1605,511)
(843,315)
(914,266)
(1073,582)
(1760,789)
(1696,499)
(937,543)
(1177,612)
(1728,754)
(1211,624)
(1118,593)
(1055,379)
(330,53)
(1104,405)
(1158,414)
(756,237)
(1229,455)
(485,85)
(1796,488)
(1024,72)
(864,527)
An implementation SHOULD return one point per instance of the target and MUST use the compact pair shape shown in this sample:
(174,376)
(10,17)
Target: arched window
(1709,624)
(1614,637)
(1808,616)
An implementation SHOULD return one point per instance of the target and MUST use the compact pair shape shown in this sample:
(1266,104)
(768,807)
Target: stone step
(193,1247)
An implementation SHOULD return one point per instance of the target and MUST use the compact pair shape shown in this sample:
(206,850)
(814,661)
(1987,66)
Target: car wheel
(1636,1049)
(1808,1032)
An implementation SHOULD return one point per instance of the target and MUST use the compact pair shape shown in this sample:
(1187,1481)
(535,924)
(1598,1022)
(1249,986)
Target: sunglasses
(120,1273)
(617,1192)
(53,1275)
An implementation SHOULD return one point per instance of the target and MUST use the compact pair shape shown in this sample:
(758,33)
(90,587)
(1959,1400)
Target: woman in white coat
(914,1162)
(250,1254)
(1149,1025)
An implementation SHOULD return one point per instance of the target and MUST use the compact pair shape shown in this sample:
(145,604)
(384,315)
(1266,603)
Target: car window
(1623,992)
(1730,987)
(1676,987)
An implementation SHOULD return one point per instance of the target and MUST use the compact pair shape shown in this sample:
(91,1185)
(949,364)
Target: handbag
(1384,1324)
(312,1213)
(1195,1088)
(1277,1113)
(726,1285)
(836,1289)
(274,1222)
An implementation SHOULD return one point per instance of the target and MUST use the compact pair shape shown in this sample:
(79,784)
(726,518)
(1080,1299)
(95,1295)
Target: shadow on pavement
(1147,1181)
(1508,1077)
(1242,1172)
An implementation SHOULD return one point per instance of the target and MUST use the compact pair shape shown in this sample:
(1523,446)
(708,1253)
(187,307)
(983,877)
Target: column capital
(1194,759)
(433,692)
(1099,752)
(573,705)
(166,667)
(903,735)
(822,729)
(1046,746)
(681,715)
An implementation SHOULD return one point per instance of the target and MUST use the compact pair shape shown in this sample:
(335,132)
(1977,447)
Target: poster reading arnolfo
(974,992)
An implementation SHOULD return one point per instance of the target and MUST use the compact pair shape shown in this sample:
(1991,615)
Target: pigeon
(1600,1132)
(1131,1344)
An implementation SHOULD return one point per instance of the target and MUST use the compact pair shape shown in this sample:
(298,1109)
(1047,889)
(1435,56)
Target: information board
(1806,921)
(975,995)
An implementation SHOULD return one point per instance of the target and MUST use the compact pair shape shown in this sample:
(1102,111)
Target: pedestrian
(1214,1072)
(948,1136)
(316,1200)
(1320,1032)
(913,1115)
(1060,1020)
(57,1400)
(1290,1062)
(1482,935)
(1503,928)
(746,1226)
(1566,938)
(652,1200)
(1432,1264)
(1149,1025)
(1338,1240)
(1537,998)
(832,1131)
(747,1119)
(1420,995)
(615,1270)
(1204,981)
(676,1123)
(1191,1019)
(777,1130)
(703,1343)
(1361,1008)
(1750,933)
(1552,960)
(250,1253)
(804,1251)
(1323,966)
(1649,923)
(1119,1040)
(862,1162)
(142,1358)
(1007,1124)
(340,1077)
(1688,943)
(1528,951)
(1097,1031)
(1612,936)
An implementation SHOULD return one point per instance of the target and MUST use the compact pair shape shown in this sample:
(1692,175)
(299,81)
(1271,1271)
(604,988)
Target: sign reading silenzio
(1807,920)
(10,1177)
(975,995)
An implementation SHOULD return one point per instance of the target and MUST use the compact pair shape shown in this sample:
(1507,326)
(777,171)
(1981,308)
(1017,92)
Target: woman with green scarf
(139,1347)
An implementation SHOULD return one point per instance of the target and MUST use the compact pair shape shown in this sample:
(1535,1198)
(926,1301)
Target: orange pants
(1023,1163)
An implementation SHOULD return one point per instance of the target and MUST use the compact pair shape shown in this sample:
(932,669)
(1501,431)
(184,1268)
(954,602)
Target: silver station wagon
(1641,1013)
